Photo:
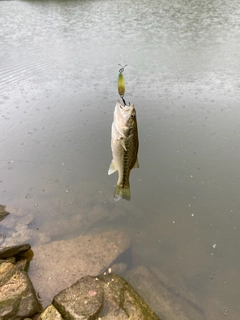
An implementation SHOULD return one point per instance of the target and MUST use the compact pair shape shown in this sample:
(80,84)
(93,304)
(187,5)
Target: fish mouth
(125,108)
(126,115)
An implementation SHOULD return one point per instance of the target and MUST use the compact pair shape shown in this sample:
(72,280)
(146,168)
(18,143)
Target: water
(58,71)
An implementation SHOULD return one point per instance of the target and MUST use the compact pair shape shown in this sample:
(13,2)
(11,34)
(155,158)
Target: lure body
(121,85)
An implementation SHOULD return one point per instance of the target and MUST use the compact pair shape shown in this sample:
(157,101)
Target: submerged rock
(3,212)
(17,296)
(104,297)
(17,228)
(164,296)
(59,264)
(23,264)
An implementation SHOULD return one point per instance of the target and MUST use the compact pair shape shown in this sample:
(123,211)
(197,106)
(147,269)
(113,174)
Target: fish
(124,145)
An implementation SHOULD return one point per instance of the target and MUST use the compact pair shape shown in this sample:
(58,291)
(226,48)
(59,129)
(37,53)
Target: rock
(59,264)
(13,250)
(50,313)
(121,301)
(3,212)
(82,300)
(169,302)
(22,264)
(104,297)
(83,219)
(17,218)
(16,236)
(18,228)
(11,259)
(17,296)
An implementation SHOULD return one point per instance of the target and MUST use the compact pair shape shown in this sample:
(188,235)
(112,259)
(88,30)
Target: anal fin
(112,168)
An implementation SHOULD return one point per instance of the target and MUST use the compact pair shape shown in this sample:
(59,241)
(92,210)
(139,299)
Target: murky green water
(58,71)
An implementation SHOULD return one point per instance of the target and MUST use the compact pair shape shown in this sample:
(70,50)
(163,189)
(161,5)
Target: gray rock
(59,264)
(169,301)
(50,313)
(18,228)
(16,236)
(82,300)
(3,212)
(7,252)
(17,218)
(15,228)
(17,296)
(103,297)
(84,219)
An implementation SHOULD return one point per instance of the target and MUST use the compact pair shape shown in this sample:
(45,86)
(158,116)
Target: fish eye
(133,115)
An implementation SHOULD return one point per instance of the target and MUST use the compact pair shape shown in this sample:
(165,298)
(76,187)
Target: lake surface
(58,72)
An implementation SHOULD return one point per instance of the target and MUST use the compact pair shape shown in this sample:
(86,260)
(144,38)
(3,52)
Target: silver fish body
(124,144)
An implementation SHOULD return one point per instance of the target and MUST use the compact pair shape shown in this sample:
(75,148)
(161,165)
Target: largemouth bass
(124,144)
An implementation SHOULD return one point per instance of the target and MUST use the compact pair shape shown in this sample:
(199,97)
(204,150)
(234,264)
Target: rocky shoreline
(105,296)
(99,295)
(79,279)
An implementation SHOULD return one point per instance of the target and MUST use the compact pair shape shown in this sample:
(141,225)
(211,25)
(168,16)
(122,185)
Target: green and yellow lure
(121,82)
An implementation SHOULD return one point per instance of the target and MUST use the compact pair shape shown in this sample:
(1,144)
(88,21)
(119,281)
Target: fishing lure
(121,83)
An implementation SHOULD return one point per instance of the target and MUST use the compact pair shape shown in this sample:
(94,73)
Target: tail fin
(122,192)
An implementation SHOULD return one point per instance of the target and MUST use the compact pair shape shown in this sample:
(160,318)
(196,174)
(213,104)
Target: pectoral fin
(112,168)
(123,144)
(136,164)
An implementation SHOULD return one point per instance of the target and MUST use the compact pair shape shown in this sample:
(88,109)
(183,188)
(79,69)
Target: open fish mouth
(124,109)
(125,113)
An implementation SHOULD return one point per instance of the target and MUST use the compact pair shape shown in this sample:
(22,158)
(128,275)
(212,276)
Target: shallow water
(58,70)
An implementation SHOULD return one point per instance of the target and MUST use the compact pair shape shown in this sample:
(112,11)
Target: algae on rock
(104,297)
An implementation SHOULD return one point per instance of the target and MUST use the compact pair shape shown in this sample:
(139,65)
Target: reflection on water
(58,63)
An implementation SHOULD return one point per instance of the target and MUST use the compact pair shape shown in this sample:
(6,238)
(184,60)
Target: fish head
(125,116)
